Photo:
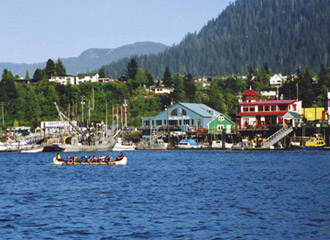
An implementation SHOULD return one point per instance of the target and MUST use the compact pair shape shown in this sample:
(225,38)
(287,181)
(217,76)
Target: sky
(33,31)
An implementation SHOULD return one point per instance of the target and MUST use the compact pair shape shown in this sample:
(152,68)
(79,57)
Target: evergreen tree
(59,68)
(38,75)
(167,79)
(50,68)
(132,68)
(102,72)
(189,87)
(178,95)
(150,78)
(27,75)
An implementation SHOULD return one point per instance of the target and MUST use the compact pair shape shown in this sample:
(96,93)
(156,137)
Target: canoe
(119,162)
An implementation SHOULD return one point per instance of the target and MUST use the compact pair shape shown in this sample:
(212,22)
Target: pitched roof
(250,92)
(292,115)
(200,109)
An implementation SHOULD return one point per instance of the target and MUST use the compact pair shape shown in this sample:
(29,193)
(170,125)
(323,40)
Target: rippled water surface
(168,194)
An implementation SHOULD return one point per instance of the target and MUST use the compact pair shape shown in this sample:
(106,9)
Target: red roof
(260,113)
(250,92)
(268,102)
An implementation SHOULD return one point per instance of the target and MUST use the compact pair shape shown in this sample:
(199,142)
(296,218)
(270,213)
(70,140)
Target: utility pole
(89,111)
(125,106)
(106,114)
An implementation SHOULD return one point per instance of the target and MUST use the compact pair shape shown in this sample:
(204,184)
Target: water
(168,195)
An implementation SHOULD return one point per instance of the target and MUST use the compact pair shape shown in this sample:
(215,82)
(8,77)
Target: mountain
(284,34)
(90,59)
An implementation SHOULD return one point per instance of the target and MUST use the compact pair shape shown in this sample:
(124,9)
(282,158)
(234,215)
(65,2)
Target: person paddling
(59,158)
(120,156)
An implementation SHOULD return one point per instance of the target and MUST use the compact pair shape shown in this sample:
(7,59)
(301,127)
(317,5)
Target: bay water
(177,194)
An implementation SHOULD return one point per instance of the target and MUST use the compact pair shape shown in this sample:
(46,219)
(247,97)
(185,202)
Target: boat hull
(309,148)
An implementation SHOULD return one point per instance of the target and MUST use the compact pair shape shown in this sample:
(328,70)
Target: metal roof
(200,109)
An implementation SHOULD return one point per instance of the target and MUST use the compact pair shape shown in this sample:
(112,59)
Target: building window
(274,108)
(192,122)
(245,109)
(153,122)
(158,122)
(221,118)
(260,108)
(282,107)
(186,122)
(173,122)
(174,112)
(147,123)
(183,112)
(266,108)
(164,122)
(252,109)
(220,127)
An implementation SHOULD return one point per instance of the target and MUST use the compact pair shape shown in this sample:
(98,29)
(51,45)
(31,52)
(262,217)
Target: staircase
(284,131)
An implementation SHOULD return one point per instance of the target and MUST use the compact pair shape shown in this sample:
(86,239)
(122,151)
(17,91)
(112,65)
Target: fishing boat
(316,142)
(123,146)
(82,141)
(188,144)
(123,161)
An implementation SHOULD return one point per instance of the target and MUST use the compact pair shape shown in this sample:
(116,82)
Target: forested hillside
(248,33)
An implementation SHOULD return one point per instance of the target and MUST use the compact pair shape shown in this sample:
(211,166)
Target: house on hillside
(269,93)
(182,116)
(161,89)
(221,123)
(255,114)
(276,80)
(88,78)
(73,79)
(63,79)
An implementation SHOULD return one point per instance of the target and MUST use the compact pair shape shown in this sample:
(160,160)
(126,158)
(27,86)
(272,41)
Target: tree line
(29,104)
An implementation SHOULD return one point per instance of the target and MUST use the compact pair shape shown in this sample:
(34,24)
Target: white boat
(218,144)
(118,162)
(123,146)
(188,144)
(33,149)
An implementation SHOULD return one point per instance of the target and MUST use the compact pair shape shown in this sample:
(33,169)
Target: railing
(284,131)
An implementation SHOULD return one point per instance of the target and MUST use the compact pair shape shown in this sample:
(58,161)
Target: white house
(161,90)
(63,79)
(277,79)
(74,80)
(88,78)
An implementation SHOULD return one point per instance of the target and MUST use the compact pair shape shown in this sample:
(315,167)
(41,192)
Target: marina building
(255,114)
(183,117)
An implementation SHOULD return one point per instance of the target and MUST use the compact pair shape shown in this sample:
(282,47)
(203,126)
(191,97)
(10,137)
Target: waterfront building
(57,127)
(182,116)
(314,114)
(221,123)
(256,114)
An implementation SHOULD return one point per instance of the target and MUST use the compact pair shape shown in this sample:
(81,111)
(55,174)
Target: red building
(255,114)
